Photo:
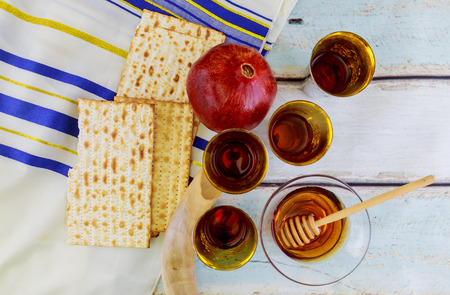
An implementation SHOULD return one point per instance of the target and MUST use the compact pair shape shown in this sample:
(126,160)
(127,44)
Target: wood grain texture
(409,38)
(393,131)
(408,252)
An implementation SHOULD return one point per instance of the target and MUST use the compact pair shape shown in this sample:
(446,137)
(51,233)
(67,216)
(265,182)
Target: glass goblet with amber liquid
(342,64)
(300,132)
(225,238)
(235,161)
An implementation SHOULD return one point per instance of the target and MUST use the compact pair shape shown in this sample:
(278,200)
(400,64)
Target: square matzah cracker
(171,159)
(151,19)
(109,199)
(157,65)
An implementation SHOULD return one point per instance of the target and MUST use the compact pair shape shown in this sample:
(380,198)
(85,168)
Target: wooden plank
(409,38)
(393,131)
(408,252)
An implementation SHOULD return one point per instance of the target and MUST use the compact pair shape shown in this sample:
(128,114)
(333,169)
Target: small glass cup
(342,64)
(300,132)
(225,238)
(235,161)
(336,251)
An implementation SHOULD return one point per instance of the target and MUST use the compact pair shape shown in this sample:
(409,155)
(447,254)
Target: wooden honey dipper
(298,230)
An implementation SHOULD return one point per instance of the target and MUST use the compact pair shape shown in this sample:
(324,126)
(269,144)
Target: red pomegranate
(231,86)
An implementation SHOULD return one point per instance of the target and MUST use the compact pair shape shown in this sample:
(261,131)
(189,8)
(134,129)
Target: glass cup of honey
(342,64)
(300,132)
(235,161)
(338,248)
(225,238)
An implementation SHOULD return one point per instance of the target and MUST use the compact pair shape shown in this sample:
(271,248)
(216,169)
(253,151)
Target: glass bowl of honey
(332,254)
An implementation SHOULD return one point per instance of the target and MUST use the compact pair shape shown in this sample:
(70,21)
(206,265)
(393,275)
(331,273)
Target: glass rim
(361,39)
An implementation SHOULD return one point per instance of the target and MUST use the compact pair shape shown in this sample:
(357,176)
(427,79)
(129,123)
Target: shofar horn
(178,257)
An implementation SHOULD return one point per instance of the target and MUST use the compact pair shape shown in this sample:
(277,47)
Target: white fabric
(34,258)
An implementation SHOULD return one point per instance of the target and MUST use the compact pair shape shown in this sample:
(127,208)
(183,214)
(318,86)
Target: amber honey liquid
(225,238)
(316,201)
(290,135)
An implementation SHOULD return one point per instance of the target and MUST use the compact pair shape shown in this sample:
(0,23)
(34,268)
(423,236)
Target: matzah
(171,159)
(151,19)
(157,65)
(109,199)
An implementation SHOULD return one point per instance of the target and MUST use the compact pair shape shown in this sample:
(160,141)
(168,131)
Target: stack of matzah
(161,54)
(171,159)
(134,153)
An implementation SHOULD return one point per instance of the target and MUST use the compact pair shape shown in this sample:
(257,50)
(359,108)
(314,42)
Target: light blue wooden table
(395,131)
